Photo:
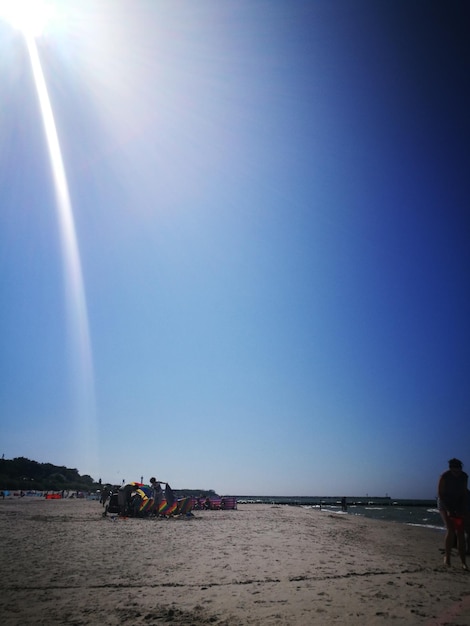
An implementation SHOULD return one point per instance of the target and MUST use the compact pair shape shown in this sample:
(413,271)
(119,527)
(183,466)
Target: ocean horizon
(415,512)
(331,500)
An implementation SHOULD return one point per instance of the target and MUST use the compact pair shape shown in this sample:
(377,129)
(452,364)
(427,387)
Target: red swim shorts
(457,522)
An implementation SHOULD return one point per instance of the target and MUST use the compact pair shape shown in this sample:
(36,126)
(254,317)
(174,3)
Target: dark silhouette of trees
(22,473)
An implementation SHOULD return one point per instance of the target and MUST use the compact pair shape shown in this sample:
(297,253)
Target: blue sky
(271,207)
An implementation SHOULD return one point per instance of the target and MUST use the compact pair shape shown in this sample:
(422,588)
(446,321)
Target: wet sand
(62,562)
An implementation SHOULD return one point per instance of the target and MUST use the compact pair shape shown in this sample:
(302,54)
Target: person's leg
(450,536)
(461,545)
(467,531)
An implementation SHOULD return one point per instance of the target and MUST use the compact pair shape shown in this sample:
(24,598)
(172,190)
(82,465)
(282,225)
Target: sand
(63,563)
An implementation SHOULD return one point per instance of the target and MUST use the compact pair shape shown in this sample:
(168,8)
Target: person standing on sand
(452,505)
(157,493)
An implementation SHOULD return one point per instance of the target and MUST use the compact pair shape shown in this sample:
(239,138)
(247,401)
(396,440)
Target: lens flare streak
(75,292)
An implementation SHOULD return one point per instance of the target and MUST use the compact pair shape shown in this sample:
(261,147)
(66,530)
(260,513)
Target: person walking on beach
(452,505)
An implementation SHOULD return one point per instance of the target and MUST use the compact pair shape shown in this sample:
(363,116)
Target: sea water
(415,515)
(415,512)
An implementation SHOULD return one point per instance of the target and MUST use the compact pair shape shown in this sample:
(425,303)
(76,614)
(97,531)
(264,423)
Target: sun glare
(28,16)
(31,18)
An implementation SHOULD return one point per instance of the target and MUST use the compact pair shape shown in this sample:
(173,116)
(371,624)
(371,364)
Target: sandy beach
(62,562)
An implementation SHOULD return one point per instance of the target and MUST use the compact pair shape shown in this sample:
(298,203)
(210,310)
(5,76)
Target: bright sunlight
(28,16)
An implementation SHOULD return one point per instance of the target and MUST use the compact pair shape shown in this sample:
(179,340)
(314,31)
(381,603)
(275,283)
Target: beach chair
(167,509)
(185,506)
(143,502)
(228,503)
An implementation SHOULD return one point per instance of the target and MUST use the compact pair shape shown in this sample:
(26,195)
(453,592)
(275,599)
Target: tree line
(22,473)
(26,475)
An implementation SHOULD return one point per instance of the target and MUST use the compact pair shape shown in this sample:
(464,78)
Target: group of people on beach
(453,502)
(125,492)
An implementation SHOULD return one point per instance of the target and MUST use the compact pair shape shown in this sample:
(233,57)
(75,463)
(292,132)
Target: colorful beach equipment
(139,500)
(167,509)
(144,501)
(185,506)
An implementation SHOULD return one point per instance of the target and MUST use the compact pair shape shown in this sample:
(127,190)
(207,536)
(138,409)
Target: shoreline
(261,564)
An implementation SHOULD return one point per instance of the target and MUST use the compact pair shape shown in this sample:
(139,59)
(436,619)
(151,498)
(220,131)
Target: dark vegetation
(21,473)
(26,475)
